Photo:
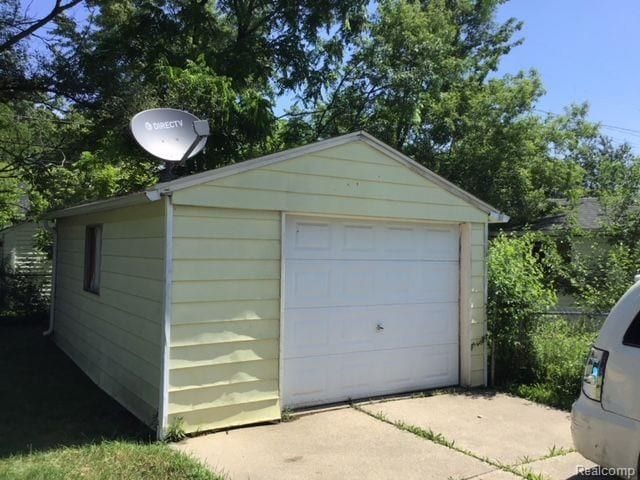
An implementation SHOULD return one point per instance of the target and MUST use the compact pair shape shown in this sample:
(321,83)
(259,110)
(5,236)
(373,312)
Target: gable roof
(589,215)
(154,193)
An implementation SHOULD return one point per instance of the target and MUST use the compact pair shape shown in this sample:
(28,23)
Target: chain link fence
(590,321)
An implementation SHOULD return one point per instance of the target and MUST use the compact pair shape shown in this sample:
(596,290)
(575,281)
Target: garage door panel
(401,240)
(439,282)
(370,308)
(316,332)
(309,285)
(310,236)
(356,375)
(315,283)
(307,378)
(441,244)
(359,240)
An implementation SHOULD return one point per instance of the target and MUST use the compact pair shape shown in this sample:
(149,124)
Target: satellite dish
(170,134)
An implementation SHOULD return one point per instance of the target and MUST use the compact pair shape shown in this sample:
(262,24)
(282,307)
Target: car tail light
(594,374)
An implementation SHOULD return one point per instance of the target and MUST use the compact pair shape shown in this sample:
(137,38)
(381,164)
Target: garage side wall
(225,317)
(115,336)
(478,304)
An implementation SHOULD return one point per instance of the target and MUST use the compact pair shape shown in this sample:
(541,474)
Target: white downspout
(485,301)
(54,261)
(163,407)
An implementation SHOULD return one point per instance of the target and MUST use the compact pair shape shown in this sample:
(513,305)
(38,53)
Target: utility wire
(615,127)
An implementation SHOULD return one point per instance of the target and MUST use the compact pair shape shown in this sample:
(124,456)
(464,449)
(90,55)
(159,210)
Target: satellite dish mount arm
(201,127)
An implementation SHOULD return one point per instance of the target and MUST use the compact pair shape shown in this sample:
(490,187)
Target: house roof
(20,224)
(154,193)
(588,212)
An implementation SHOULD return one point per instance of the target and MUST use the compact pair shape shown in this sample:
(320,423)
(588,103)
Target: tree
(419,75)
(18,27)
(421,78)
(223,60)
(66,105)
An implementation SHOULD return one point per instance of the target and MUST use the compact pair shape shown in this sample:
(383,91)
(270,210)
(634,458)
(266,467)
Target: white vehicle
(605,420)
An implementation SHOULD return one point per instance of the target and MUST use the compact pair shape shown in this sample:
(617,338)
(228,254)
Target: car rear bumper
(610,440)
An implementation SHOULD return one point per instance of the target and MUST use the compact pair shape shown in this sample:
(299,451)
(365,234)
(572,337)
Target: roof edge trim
(103,205)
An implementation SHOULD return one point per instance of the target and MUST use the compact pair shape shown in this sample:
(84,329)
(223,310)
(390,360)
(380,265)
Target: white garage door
(370,308)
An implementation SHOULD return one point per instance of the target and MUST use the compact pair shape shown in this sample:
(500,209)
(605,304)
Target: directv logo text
(163,125)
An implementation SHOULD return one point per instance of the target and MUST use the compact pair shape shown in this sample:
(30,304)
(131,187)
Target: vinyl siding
(225,318)
(226,271)
(115,337)
(17,249)
(478,304)
(351,179)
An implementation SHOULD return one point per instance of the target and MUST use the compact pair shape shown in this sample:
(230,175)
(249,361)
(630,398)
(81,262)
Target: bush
(603,274)
(560,351)
(21,296)
(518,294)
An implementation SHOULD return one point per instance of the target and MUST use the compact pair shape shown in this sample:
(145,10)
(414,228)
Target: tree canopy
(420,75)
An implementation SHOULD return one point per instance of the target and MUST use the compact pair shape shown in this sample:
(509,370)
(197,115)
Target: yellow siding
(352,179)
(225,317)
(478,317)
(115,337)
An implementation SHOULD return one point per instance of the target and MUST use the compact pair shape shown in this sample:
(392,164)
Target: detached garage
(333,271)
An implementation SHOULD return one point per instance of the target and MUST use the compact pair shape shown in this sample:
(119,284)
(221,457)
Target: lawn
(56,424)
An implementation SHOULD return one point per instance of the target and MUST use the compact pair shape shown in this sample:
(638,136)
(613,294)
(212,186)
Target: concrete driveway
(458,436)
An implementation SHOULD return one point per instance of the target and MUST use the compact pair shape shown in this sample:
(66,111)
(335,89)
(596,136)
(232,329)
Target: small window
(92,258)
(632,337)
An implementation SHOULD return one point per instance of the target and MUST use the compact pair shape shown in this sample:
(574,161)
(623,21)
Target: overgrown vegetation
(559,352)
(22,295)
(518,295)
(536,354)
(175,431)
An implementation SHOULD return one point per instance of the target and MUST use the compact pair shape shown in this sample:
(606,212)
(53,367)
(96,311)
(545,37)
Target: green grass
(56,424)
(105,461)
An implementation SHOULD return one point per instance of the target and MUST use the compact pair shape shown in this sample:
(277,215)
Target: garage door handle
(379,327)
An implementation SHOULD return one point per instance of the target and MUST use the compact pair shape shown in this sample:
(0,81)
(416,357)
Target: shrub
(603,274)
(560,350)
(21,296)
(518,293)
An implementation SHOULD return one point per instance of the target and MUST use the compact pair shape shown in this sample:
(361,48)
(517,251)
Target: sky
(584,50)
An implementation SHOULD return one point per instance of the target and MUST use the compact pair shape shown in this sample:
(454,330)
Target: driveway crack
(435,437)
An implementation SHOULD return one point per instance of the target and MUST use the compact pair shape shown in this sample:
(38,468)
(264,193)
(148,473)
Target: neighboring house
(587,215)
(338,270)
(19,253)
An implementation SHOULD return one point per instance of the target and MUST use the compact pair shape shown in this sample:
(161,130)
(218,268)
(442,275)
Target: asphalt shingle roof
(588,214)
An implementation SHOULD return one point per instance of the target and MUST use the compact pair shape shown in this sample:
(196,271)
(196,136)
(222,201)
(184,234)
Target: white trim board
(283,219)
(163,406)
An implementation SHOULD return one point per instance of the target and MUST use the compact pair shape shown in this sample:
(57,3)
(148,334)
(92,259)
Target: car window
(632,336)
